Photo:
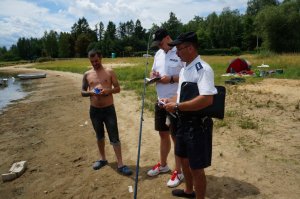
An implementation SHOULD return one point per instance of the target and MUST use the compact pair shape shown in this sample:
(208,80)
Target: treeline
(266,25)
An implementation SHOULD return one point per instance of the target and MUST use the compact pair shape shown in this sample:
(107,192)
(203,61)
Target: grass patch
(220,123)
(231,113)
(10,63)
(247,123)
(247,143)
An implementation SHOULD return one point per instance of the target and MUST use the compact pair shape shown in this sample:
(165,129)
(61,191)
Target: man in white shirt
(194,133)
(166,66)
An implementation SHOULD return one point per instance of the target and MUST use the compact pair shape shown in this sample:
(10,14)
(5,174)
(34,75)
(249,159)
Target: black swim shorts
(107,116)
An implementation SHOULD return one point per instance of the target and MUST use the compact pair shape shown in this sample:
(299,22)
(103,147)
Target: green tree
(173,26)
(254,6)
(250,39)
(110,32)
(14,52)
(50,43)
(280,27)
(230,28)
(139,37)
(109,41)
(81,45)
(23,46)
(28,49)
(212,21)
(82,33)
(3,51)
(36,46)
(194,25)
(129,28)
(139,31)
(101,31)
(64,45)
(203,39)
(82,26)
(9,55)
(199,25)
(122,31)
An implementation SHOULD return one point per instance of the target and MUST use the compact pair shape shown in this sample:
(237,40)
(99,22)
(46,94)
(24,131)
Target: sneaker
(157,169)
(175,180)
(182,194)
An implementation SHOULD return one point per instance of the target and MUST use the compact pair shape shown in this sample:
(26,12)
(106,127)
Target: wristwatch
(176,108)
(172,80)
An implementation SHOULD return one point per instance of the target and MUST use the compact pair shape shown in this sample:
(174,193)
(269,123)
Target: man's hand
(167,104)
(165,79)
(105,92)
(154,74)
(170,107)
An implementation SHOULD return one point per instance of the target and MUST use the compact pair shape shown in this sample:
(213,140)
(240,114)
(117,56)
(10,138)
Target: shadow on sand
(229,188)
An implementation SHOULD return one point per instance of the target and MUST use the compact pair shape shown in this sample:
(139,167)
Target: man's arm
(198,103)
(116,87)
(84,87)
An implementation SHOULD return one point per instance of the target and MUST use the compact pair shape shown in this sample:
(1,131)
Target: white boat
(32,75)
(3,81)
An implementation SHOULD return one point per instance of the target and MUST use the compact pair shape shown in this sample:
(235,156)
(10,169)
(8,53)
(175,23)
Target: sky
(31,18)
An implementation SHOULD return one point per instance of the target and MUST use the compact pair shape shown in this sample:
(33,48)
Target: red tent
(238,65)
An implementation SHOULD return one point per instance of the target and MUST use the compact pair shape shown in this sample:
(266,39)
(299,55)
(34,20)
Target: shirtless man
(99,84)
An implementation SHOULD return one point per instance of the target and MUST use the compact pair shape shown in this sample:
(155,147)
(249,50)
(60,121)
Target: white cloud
(30,18)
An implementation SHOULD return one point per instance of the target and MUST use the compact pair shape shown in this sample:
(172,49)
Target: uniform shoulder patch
(198,66)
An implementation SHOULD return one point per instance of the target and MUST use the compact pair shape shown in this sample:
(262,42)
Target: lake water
(11,92)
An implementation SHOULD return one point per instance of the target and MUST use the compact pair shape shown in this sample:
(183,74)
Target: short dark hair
(94,52)
(158,36)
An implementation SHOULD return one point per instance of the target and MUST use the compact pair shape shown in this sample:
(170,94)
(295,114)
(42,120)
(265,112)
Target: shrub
(235,50)
(44,59)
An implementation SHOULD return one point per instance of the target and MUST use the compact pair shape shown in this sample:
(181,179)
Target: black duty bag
(189,90)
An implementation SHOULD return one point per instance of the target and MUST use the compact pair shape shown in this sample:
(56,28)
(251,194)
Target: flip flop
(99,164)
(125,170)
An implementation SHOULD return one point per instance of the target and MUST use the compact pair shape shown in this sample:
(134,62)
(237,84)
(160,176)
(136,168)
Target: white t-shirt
(167,64)
(200,72)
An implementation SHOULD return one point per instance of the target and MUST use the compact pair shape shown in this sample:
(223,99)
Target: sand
(51,130)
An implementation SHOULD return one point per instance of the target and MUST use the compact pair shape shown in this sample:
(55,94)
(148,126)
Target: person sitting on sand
(99,84)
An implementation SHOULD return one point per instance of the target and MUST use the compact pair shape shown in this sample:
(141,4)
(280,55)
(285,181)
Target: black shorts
(107,116)
(160,120)
(194,141)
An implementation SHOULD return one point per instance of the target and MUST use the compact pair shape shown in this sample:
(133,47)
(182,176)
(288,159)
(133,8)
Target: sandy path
(48,130)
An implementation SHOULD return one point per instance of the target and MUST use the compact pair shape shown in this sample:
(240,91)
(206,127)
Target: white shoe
(157,169)
(175,180)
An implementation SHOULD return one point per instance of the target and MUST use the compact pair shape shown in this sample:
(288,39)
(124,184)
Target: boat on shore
(3,81)
(32,75)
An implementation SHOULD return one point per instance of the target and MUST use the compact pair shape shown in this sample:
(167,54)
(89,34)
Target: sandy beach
(51,130)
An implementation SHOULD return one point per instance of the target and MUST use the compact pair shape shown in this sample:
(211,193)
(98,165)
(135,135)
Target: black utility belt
(189,118)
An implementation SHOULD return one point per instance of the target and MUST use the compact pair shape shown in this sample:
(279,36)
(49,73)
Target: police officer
(166,66)
(194,133)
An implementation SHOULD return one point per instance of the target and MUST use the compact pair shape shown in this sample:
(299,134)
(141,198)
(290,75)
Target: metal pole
(141,123)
